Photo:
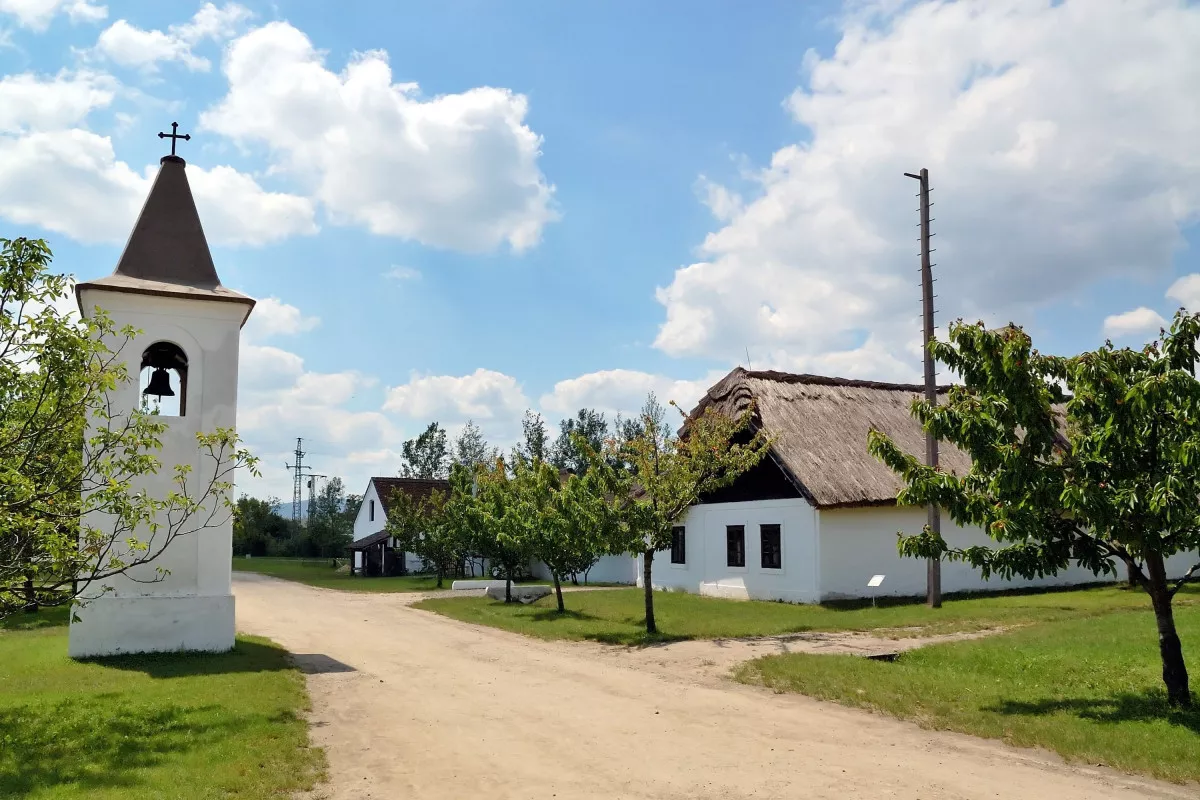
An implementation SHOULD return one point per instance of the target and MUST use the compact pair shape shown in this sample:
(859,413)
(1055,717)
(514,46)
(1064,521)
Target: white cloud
(273,317)
(36,14)
(1138,321)
(1059,154)
(1186,291)
(30,102)
(70,182)
(131,46)
(623,391)
(456,171)
(398,273)
(482,395)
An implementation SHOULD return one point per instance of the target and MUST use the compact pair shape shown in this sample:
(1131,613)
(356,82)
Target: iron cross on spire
(174,135)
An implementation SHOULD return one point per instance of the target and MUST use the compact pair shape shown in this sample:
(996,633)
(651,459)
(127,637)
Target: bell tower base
(122,625)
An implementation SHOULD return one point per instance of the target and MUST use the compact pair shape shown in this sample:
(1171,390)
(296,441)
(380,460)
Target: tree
(498,529)
(535,440)
(588,427)
(471,449)
(426,456)
(71,515)
(1091,459)
(423,526)
(330,527)
(258,529)
(670,473)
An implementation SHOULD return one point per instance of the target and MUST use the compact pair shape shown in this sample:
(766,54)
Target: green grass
(618,616)
(320,573)
(148,727)
(1089,689)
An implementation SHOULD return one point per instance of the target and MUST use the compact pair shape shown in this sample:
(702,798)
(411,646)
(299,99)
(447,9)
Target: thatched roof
(820,428)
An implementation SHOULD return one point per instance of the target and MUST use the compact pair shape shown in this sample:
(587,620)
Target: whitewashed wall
(706,571)
(609,569)
(192,607)
(856,543)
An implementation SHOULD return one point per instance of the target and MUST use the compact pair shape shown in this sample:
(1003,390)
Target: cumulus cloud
(36,14)
(1059,154)
(482,395)
(131,46)
(455,171)
(70,182)
(1186,292)
(30,102)
(623,391)
(273,317)
(1138,321)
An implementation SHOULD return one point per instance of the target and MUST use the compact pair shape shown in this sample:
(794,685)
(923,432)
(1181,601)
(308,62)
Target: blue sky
(581,202)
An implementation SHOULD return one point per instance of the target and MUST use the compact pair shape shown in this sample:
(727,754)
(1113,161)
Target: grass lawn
(618,616)
(1088,688)
(315,572)
(159,726)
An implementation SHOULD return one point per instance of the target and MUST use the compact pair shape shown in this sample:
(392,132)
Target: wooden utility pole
(933,575)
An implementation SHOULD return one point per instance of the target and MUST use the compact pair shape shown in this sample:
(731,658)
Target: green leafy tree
(535,439)
(258,529)
(671,473)
(425,526)
(471,448)
(330,528)
(71,515)
(587,429)
(499,532)
(428,455)
(1092,459)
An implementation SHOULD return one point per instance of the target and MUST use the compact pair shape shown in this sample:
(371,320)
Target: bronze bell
(160,384)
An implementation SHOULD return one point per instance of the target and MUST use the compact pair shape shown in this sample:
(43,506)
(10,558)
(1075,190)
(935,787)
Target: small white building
(817,518)
(166,286)
(373,551)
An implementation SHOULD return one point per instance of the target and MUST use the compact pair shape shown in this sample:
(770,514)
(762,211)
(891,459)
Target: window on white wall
(372,511)
(735,545)
(772,549)
(678,545)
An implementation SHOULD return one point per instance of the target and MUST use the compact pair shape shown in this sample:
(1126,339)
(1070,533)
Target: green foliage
(535,439)
(159,726)
(60,439)
(668,474)
(471,450)
(578,437)
(428,455)
(329,528)
(426,527)
(259,530)
(1089,459)
(1085,688)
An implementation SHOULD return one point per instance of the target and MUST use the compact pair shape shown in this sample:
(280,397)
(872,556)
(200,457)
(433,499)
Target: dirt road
(412,705)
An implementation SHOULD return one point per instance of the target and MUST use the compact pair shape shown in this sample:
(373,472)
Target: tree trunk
(1130,577)
(1174,670)
(31,604)
(508,585)
(647,564)
(558,592)
(439,578)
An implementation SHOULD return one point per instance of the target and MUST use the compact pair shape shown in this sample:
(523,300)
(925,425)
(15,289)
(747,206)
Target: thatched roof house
(820,428)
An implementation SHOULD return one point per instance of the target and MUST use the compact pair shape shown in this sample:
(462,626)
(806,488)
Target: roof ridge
(828,380)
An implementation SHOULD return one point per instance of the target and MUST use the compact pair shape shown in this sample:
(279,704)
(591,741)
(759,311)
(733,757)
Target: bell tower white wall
(192,607)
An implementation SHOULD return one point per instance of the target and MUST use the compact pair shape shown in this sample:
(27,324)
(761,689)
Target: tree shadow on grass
(98,742)
(46,617)
(550,614)
(1128,707)
(247,655)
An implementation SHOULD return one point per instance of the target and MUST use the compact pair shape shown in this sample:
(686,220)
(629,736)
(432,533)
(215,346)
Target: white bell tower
(185,363)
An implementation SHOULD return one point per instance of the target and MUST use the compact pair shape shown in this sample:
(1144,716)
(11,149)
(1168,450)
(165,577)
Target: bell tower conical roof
(167,253)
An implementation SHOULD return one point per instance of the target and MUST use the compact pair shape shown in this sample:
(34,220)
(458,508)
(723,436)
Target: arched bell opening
(163,382)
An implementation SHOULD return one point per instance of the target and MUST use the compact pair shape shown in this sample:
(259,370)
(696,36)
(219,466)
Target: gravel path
(409,704)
